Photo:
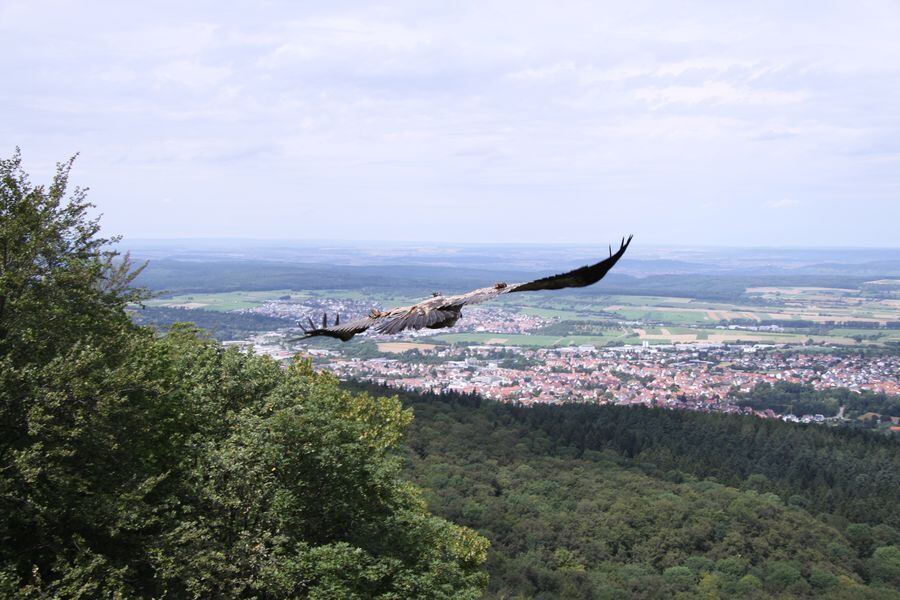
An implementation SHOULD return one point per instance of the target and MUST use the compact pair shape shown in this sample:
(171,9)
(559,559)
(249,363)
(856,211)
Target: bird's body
(441,311)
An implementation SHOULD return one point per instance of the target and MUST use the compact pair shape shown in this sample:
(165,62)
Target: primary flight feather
(444,311)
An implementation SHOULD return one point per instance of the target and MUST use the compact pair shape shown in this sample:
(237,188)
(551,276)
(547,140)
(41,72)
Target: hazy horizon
(640,260)
(416,242)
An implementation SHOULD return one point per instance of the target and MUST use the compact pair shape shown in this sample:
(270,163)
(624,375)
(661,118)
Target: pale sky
(722,123)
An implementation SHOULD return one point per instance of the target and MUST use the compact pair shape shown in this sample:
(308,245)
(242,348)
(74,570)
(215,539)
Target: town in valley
(833,350)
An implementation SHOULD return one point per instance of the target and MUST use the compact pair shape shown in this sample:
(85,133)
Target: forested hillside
(209,274)
(612,502)
(220,325)
(135,465)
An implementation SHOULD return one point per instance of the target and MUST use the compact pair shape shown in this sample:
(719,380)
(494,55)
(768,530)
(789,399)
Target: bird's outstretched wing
(416,318)
(444,311)
(582,277)
(388,323)
(341,331)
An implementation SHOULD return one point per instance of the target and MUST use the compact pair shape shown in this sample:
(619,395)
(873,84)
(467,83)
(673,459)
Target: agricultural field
(398,347)
(221,302)
(638,336)
(798,316)
(776,315)
(240,300)
(540,341)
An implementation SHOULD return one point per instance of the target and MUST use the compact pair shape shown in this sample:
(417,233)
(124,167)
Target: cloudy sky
(765,123)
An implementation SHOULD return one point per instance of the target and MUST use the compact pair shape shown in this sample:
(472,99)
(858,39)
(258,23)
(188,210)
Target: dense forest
(208,275)
(586,501)
(804,399)
(221,325)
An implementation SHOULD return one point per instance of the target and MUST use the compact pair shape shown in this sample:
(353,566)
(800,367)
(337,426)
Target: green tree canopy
(135,465)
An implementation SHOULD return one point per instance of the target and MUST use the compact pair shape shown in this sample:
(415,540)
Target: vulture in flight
(444,311)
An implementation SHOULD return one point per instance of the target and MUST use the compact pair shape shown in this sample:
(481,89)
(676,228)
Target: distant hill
(194,276)
(193,266)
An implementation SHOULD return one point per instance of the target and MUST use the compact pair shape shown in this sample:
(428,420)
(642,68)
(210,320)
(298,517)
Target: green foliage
(710,586)
(135,465)
(884,565)
(733,566)
(56,273)
(822,579)
(781,575)
(846,472)
(748,586)
(220,325)
(217,473)
(570,523)
(680,578)
(804,399)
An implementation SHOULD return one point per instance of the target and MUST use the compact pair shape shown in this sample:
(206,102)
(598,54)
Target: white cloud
(782,203)
(717,92)
(344,41)
(162,42)
(191,74)
(644,113)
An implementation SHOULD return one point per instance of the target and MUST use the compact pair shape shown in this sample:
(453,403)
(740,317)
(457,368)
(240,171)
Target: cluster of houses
(679,376)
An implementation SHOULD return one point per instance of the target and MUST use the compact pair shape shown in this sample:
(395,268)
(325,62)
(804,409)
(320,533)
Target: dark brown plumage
(444,311)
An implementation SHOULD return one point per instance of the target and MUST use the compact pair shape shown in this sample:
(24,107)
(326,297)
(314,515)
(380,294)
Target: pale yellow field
(403,346)
(819,305)
(719,338)
(714,315)
(823,316)
(733,336)
(187,305)
(793,291)
(737,314)
(666,335)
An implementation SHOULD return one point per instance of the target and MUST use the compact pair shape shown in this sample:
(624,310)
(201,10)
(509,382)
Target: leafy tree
(885,565)
(860,535)
(59,280)
(70,441)
(822,579)
(748,586)
(710,586)
(679,578)
(732,565)
(134,465)
(699,564)
(781,575)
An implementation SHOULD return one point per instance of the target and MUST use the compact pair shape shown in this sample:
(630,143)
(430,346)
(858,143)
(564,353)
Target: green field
(385,300)
(227,301)
(222,302)
(664,320)
(554,313)
(620,337)
(657,316)
(883,335)
(649,300)
(541,341)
